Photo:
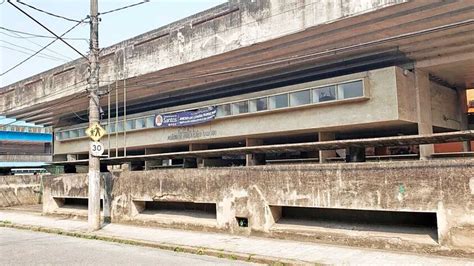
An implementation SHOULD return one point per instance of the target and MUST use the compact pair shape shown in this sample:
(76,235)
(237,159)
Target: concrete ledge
(20,190)
(258,194)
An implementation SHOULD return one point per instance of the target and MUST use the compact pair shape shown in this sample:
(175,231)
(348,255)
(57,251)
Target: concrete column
(198,147)
(423,105)
(463,110)
(107,208)
(152,164)
(71,157)
(254,159)
(324,155)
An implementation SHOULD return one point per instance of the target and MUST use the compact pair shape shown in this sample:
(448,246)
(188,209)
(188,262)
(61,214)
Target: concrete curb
(165,246)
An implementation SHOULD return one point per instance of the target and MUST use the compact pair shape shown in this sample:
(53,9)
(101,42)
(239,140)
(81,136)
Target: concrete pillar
(152,164)
(71,157)
(198,147)
(254,159)
(324,155)
(424,113)
(107,208)
(463,110)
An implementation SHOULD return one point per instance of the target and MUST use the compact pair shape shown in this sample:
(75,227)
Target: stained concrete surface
(47,249)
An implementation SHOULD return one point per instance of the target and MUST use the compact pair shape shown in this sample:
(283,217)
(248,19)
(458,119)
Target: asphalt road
(19,247)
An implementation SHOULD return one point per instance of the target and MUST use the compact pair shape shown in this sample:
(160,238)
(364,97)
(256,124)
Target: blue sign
(186,118)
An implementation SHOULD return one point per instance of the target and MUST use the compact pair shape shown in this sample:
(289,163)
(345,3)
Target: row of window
(297,98)
(25,129)
(290,99)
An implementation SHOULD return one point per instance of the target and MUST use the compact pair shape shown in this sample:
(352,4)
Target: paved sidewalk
(263,248)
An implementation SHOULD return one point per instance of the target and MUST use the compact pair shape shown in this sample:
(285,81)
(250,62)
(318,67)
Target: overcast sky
(113,28)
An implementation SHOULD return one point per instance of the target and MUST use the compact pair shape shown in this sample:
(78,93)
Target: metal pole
(116,116)
(108,121)
(94,163)
(124,117)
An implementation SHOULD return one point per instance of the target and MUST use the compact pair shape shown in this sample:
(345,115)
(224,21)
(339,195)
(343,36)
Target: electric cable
(31,50)
(122,8)
(50,31)
(37,44)
(39,55)
(49,13)
(32,35)
(37,52)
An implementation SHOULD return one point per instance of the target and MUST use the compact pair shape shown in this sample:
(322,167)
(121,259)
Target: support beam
(198,147)
(424,113)
(463,113)
(152,164)
(307,146)
(254,158)
(325,154)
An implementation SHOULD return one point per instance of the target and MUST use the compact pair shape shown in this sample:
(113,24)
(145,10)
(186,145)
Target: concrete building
(264,84)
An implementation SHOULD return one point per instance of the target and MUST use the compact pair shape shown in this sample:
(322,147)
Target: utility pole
(94,162)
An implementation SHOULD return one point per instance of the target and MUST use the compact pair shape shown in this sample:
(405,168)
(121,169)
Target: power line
(39,51)
(31,50)
(23,52)
(38,35)
(50,31)
(37,44)
(49,13)
(125,7)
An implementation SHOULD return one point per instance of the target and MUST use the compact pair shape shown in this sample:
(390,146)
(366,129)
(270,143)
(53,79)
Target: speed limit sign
(96,148)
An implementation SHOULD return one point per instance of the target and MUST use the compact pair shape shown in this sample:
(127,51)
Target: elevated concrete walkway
(222,245)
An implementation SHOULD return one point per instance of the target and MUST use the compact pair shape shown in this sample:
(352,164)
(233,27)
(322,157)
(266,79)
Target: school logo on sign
(159,120)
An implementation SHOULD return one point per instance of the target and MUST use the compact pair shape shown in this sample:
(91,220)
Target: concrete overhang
(437,36)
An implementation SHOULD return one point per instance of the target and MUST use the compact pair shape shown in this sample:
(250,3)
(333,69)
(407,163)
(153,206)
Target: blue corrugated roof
(24,136)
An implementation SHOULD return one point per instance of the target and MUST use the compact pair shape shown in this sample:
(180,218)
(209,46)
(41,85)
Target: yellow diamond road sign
(95,131)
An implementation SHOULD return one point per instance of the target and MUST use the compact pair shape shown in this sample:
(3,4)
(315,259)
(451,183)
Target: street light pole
(94,162)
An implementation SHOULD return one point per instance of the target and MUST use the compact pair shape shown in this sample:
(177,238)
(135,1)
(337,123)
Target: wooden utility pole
(94,162)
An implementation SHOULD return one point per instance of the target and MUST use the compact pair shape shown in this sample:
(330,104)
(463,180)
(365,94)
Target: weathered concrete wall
(445,107)
(20,190)
(227,27)
(384,88)
(442,187)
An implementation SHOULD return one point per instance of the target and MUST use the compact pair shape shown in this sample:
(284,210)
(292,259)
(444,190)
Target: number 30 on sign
(96,148)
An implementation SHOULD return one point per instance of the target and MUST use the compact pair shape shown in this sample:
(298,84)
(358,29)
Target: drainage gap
(391,222)
(176,210)
(74,203)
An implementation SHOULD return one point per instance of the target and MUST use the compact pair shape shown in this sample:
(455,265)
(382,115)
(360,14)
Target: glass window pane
(130,124)
(74,133)
(278,101)
(81,132)
(260,104)
(240,107)
(150,122)
(350,90)
(110,128)
(65,134)
(300,98)
(223,110)
(140,123)
(324,94)
(120,126)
